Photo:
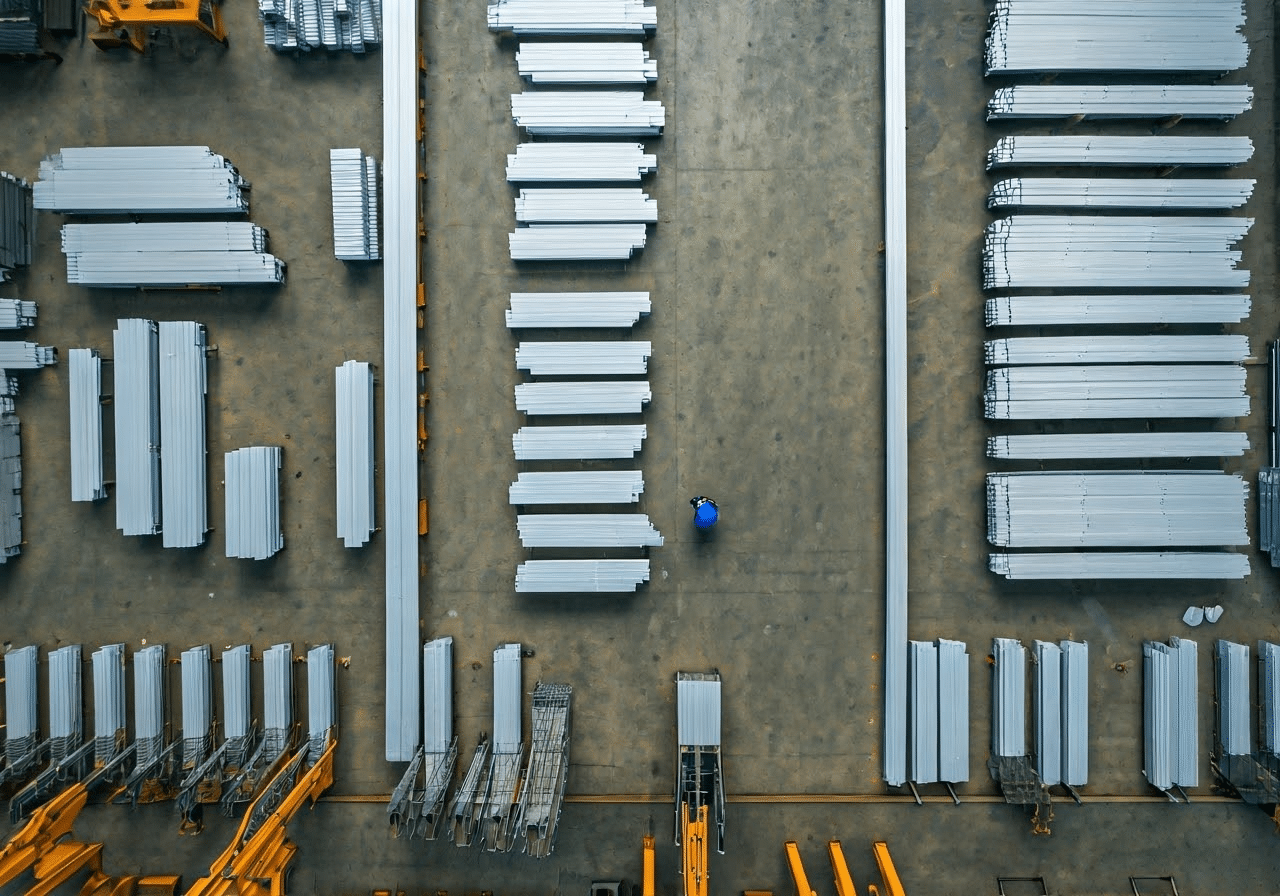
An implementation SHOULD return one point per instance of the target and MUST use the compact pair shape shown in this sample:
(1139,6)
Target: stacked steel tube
(353,177)
(178,254)
(586,63)
(569,162)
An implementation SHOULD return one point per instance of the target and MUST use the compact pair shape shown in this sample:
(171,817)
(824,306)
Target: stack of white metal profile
(322,699)
(17,224)
(558,398)
(1235,713)
(586,63)
(572,16)
(578,442)
(1090,310)
(1121,565)
(148,704)
(172,180)
(1117,36)
(1009,699)
(183,479)
(8,392)
(576,576)
(953,711)
(197,705)
(66,704)
(179,253)
(548,771)
(277,699)
(1115,391)
(616,205)
(500,813)
(1116,349)
(354,180)
(137,424)
(1120,193)
(15,314)
(577,309)
(169,236)
(355,453)
(321,24)
(568,162)
(588,113)
(110,719)
(252,483)
(1269,695)
(1075,712)
(1158,152)
(237,707)
(1060,446)
(20,29)
(1222,101)
(439,745)
(594,530)
(1046,708)
(1170,714)
(570,358)
(922,729)
(84,367)
(22,721)
(10,487)
(26,356)
(576,242)
(577,487)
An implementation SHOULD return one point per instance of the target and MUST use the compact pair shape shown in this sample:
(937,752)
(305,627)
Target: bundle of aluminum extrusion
(1116,36)
(1115,391)
(10,487)
(15,313)
(169,236)
(576,242)
(1120,193)
(578,442)
(1039,311)
(277,699)
(97,180)
(1268,513)
(183,479)
(20,29)
(1234,709)
(618,205)
(1075,712)
(953,711)
(556,398)
(137,425)
(1047,710)
(588,113)
(586,63)
(197,705)
(568,162)
(1170,714)
(314,24)
(148,704)
(594,530)
(1222,101)
(237,708)
(66,707)
(22,722)
(109,715)
(1159,152)
(572,16)
(355,453)
(548,770)
(322,699)
(8,392)
(354,180)
(439,745)
(570,358)
(922,745)
(500,811)
(26,356)
(1269,695)
(580,576)
(252,483)
(1009,699)
(576,309)
(17,224)
(577,487)
(1116,349)
(175,254)
(1116,509)
(1058,446)
(1120,565)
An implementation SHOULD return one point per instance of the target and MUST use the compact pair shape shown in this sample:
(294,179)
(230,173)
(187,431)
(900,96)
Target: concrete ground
(766,279)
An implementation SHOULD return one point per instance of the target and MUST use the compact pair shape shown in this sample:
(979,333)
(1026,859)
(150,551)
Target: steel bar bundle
(922,730)
(183,476)
(596,530)
(277,698)
(498,820)
(1269,695)
(580,576)
(354,180)
(1220,101)
(197,705)
(1116,36)
(10,487)
(586,63)
(558,398)
(1158,152)
(1120,193)
(577,487)
(1115,391)
(148,704)
(542,796)
(568,17)
(1085,310)
(1046,667)
(1121,565)
(1058,446)
(953,711)
(576,309)
(315,24)
(578,442)
(1075,712)
(557,205)
(15,314)
(1009,699)
(1235,723)
(322,699)
(1116,349)
(97,180)
(66,703)
(1170,714)
(569,162)
(355,453)
(569,358)
(110,718)
(588,113)
(137,426)
(237,705)
(252,482)
(576,242)
(22,721)
(84,367)
(26,356)
(17,222)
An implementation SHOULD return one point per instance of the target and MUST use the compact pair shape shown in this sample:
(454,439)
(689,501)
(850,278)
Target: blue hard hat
(705,515)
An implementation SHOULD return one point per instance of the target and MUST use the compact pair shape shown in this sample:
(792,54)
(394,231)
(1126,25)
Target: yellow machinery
(840,869)
(700,802)
(693,851)
(128,23)
(649,873)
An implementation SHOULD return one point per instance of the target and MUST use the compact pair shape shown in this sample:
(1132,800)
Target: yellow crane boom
(797,869)
(840,869)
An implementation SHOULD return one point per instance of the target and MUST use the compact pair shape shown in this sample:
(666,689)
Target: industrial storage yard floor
(766,275)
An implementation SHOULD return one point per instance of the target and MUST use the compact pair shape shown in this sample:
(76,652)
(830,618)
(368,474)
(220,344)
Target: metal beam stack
(1075,712)
(137,425)
(587,530)
(26,356)
(66,703)
(84,367)
(110,719)
(10,486)
(586,63)
(149,681)
(303,25)
(16,314)
(140,180)
(501,812)
(577,487)
(1235,717)
(1269,696)
(252,483)
(1170,714)
(355,452)
(1120,101)
(183,479)
(353,177)
(578,442)
(1129,152)
(581,576)
(197,706)
(1122,193)
(1047,710)
(172,254)
(572,17)
(582,113)
(322,699)
(542,795)
(1009,703)
(615,205)
(1269,476)
(20,29)
(22,720)
(922,731)
(569,162)
(237,706)
(600,310)
(583,358)
(557,398)
(277,699)
(17,215)
(1093,310)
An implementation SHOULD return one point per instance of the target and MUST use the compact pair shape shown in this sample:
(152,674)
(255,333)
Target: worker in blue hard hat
(705,512)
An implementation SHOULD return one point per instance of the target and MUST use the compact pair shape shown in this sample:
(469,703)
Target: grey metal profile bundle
(1235,724)
(1120,565)
(110,719)
(580,576)
(578,442)
(586,63)
(136,405)
(1009,699)
(1120,193)
(600,205)
(353,178)
(576,309)
(1118,36)
(699,775)
(10,487)
(439,744)
(922,729)
(576,242)
(237,705)
(1061,446)
(26,355)
(1115,391)
(1116,349)
(569,17)
(953,711)
(22,721)
(15,314)
(197,705)
(1100,310)
(1047,710)
(277,699)
(178,253)
(321,24)
(17,223)
(588,113)
(1170,714)
(573,398)
(84,369)
(20,29)
(1075,712)
(66,702)
(568,358)
(252,483)
(577,487)
(148,705)
(565,162)
(98,180)
(1135,101)
(183,475)
(1155,152)
(500,812)
(1269,695)
(594,530)
(355,452)
(542,795)
(322,699)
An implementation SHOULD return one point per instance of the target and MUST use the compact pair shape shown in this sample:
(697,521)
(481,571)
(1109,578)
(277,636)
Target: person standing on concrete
(705,512)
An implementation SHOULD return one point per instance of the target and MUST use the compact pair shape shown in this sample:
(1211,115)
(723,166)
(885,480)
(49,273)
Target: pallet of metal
(587,530)
(322,699)
(588,113)
(353,177)
(183,455)
(10,487)
(252,484)
(500,819)
(66,703)
(21,706)
(303,25)
(572,358)
(136,404)
(110,720)
(26,356)
(84,369)
(140,180)
(576,242)
(566,162)
(15,314)
(699,775)
(1120,565)
(237,706)
(581,576)
(1115,101)
(1130,152)
(586,205)
(542,795)
(572,17)
(1099,310)
(1170,715)
(1080,445)
(417,805)
(598,310)
(577,487)
(355,453)
(578,442)
(1123,193)
(574,398)
(586,63)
